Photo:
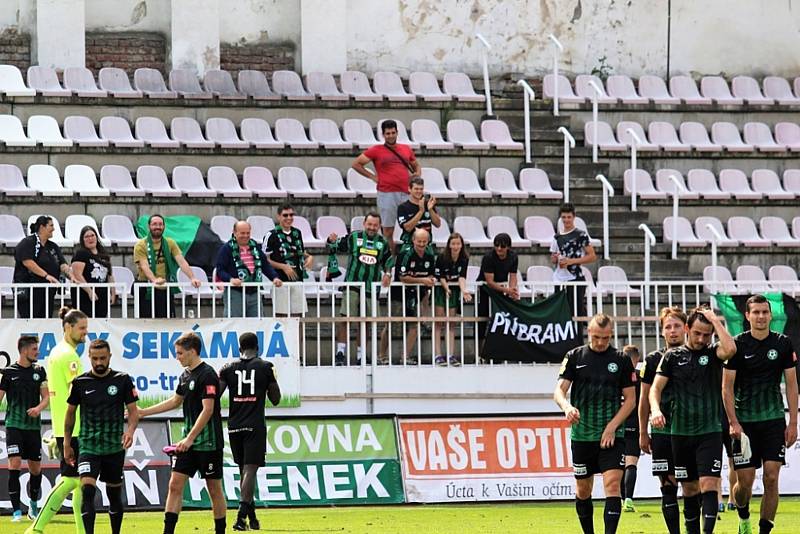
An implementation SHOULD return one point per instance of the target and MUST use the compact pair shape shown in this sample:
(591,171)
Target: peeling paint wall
(128,16)
(251,21)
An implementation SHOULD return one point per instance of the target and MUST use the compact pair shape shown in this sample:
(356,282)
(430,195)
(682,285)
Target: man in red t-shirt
(395,165)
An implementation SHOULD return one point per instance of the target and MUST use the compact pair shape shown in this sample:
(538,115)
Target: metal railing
(569,142)
(649,241)
(486,85)
(529,96)
(597,94)
(635,143)
(608,191)
(676,194)
(557,49)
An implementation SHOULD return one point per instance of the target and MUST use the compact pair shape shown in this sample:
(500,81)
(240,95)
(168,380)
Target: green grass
(537,518)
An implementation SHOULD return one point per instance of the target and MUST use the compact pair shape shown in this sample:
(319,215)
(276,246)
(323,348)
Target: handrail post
(569,142)
(557,48)
(486,88)
(608,191)
(635,142)
(649,241)
(597,94)
(717,239)
(529,96)
(679,189)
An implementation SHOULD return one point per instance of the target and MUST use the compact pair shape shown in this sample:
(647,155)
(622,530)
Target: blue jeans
(234,308)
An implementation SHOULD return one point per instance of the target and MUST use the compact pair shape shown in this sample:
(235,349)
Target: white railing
(635,143)
(486,85)
(676,194)
(649,241)
(608,192)
(529,96)
(597,94)
(557,49)
(714,243)
(569,142)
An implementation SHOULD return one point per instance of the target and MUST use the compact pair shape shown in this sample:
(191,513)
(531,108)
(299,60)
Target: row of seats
(694,136)
(751,279)
(287,84)
(682,89)
(260,182)
(733,183)
(255,133)
(742,231)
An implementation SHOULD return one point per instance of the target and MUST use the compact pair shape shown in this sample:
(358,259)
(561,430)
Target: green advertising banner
(314,462)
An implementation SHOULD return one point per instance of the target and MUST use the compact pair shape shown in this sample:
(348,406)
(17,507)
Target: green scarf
(241,269)
(169,262)
(292,249)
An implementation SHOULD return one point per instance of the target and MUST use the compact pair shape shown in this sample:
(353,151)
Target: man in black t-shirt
(417,211)
(415,268)
(499,270)
(251,381)
(287,254)
(570,250)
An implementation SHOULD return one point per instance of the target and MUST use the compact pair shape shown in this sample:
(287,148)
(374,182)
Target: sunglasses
(501,246)
(287,215)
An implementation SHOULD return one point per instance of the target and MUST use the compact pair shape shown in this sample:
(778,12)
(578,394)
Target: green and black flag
(198,243)
(785,314)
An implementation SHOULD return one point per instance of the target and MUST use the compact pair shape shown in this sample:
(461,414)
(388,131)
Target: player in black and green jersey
(24,385)
(102,395)
(598,376)
(200,450)
(694,374)
(751,391)
(370,262)
(659,445)
(416,269)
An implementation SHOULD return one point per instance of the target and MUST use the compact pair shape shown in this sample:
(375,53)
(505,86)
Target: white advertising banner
(145,348)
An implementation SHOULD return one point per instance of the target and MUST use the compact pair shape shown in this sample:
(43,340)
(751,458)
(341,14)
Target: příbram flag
(540,332)
(785,314)
(198,243)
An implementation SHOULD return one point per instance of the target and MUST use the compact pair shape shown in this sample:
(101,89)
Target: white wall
(128,15)
(247,21)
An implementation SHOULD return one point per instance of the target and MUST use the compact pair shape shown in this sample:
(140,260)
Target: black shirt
(500,268)
(194,386)
(407,211)
(49,258)
(409,263)
(22,386)
(573,245)
(247,381)
(647,375)
(97,269)
(451,270)
(288,248)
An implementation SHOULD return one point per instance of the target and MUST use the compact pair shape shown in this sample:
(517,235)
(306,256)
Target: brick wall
(15,49)
(263,57)
(126,50)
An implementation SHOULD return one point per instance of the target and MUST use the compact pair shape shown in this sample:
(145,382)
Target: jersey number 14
(246,377)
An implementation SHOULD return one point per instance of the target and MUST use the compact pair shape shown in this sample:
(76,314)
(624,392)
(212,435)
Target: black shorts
(24,443)
(766,442)
(248,446)
(632,442)
(697,456)
(661,447)
(66,469)
(106,467)
(588,458)
(207,463)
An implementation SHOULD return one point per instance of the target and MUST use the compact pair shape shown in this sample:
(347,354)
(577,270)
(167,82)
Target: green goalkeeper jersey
(63,366)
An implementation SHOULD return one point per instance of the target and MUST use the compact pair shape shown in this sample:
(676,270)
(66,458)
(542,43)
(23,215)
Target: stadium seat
(425,132)
(153,180)
(80,80)
(497,133)
(82,180)
(778,89)
(58,236)
(205,291)
(402,134)
(356,84)
(329,181)
(81,130)
(222,131)
(621,87)
(654,89)
(117,179)
(724,281)
(11,231)
(501,182)
(784,279)
(685,88)
(751,279)
(328,224)
(260,181)
(685,234)
(185,83)
(293,134)
(361,184)
(565,93)
(253,83)
(459,87)
(189,181)
(359,132)
(224,181)
(743,229)
(644,185)
(536,183)
(389,85)
(6,277)
(581,225)
(425,86)
(627,139)
(326,133)
(605,134)
(759,135)
(695,135)
(357,223)
(222,225)
(612,280)
(45,81)
(498,224)
(75,223)
(747,89)
(774,229)
(11,132)
(288,84)
(151,83)
(12,183)
(124,278)
(435,184)
(441,233)
(665,184)
(118,230)
(115,81)
(791,181)
(471,229)
(11,82)
(153,132)
(462,133)
(705,234)
(716,88)
(796,227)
(788,133)
(220,84)
(664,135)
(294,181)
(117,131)
(257,132)
(323,85)
(540,280)
(584,89)
(766,182)
(187,132)
(309,239)
(464,181)
(704,183)
(45,180)
(472,278)
(539,231)
(735,182)
(727,135)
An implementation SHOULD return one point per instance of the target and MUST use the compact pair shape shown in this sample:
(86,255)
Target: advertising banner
(145,348)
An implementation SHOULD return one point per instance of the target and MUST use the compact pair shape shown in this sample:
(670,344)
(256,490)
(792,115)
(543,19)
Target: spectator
(158,259)
(370,262)
(91,264)
(417,211)
(499,271)
(239,261)
(288,256)
(394,165)
(38,260)
(416,269)
(451,272)
(569,250)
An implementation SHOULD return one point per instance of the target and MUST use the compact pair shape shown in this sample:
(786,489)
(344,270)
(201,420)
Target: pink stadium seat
(153,180)
(441,233)
(685,234)
(766,182)
(746,88)
(499,224)
(716,88)
(117,131)
(222,225)
(361,184)
(627,139)
(464,181)
(644,185)
(425,86)
(45,81)
(11,232)
(117,179)
(565,93)
(356,84)
(459,86)
(497,133)
(402,134)
(703,182)
(612,280)
(471,229)
(462,133)
(116,82)
(11,182)
(259,181)
(257,132)
(784,279)
(294,181)
(683,87)
(796,86)
(778,89)
(788,133)
(536,182)
(309,239)
(222,131)
(665,184)
(705,234)
(791,181)
(224,181)
(426,132)
(329,181)
(81,131)
(605,134)
(584,89)
(621,87)
(654,88)
(751,279)
(185,83)
(152,131)
(82,180)
(796,227)
(328,224)
(292,133)
(220,84)
(323,84)
(357,223)
(664,135)
(435,185)
(151,83)
(73,225)
(727,135)
(80,80)
(759,135)
(539,230)
(501,182)
(189,181)
(118,230)
(326,133)
(775,230)
(187,131)
(390,85)
(734,181)
(695,135)
(743,229)
(359,132)
(254,84)
(260,226)
(540,279)
(724,281)
(288,83)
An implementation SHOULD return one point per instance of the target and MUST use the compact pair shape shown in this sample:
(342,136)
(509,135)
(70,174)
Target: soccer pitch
(540,518)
